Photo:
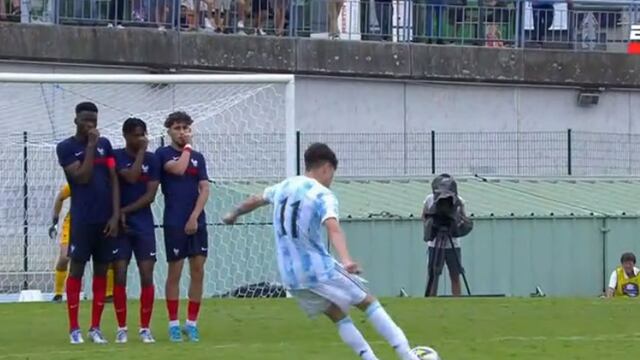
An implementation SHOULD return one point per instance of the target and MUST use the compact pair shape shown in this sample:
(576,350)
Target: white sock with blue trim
(352,337)
(383,324)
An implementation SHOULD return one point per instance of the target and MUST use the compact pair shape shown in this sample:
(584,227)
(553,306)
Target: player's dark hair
(628,256)
(178,117)
(318,154)
(86,106)
(131,124)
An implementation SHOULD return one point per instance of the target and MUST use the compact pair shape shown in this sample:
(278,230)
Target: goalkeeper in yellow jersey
(62,264)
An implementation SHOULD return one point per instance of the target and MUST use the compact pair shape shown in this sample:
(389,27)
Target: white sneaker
(96,336)
(261,32)
(121,336)
(146,337)
(75,337)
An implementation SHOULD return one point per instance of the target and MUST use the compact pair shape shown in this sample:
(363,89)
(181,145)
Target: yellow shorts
(66,231)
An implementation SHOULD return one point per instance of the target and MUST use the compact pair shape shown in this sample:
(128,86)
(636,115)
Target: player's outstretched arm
(250,204)
(339,242)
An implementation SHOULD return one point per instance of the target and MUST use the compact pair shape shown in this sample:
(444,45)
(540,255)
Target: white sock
(173,323)
(352,337)
(191,323)
(389,330)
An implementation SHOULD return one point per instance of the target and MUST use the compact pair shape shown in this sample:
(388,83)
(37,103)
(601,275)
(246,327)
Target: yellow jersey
(65,193)
(627,286)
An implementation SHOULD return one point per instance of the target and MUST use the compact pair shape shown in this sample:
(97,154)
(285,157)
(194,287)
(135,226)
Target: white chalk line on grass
(79,349)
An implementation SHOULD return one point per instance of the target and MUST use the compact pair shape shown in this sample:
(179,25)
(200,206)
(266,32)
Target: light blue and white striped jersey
(300,207)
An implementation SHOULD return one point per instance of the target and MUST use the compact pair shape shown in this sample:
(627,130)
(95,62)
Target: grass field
(459,329)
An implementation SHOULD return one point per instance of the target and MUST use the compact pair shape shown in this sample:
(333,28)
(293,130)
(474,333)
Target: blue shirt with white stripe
(301,206)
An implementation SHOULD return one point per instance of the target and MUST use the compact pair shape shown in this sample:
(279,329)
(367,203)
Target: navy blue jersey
(181,192)
(141,220)
(91,203)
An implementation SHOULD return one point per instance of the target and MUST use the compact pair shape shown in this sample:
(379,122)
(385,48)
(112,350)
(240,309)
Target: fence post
(433,152)
(298,152)
(25,212)
(569,152)
(162,141)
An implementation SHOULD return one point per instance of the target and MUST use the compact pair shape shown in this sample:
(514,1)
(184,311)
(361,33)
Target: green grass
(459,329)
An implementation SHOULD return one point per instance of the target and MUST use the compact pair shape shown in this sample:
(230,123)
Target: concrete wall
(173,50)
(333,104)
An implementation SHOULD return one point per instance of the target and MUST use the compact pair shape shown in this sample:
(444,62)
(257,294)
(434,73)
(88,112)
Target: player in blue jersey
(185,185)
(89,166)
(302,206)
(139,173)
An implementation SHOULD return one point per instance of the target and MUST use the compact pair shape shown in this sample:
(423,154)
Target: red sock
(99,291)
(73,301)
(120,304)
(172,309)
(193,310)
(146,306)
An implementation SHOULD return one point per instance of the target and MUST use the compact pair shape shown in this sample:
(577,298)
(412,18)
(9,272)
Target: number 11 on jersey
(295,207)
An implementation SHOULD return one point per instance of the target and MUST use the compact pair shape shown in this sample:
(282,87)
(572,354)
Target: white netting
(239,127)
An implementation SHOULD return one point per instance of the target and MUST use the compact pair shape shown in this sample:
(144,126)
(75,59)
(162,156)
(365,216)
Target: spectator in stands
(493,15)
(624,280)
(164,11)
(10,7)
(260,13)
(335,6)
(116,13)
(543,12)
(280,8)
(376,24)
(220,10)
(139,11)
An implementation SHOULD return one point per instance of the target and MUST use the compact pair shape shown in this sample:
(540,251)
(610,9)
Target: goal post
(243,124)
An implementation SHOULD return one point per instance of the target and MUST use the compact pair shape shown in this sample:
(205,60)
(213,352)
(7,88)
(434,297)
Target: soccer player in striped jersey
(302,206)
(139,174)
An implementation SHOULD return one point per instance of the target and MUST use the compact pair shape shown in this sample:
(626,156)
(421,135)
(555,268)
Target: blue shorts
(179,245)
(88,241)
(143,245)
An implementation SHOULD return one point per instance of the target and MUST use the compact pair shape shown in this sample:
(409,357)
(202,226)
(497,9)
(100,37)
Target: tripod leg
(432,280)
(459,264)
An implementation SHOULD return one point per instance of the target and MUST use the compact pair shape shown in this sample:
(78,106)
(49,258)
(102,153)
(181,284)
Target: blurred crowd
(495,23)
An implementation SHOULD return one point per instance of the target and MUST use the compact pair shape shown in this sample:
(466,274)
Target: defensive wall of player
(173,50)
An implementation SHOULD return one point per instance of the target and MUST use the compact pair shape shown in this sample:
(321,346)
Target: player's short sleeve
(65,191)
(65,154)
(613,280)
(202,170)
(121,160)
(163,156)
(108,149)
(269,193)
(154,167)
(327,206)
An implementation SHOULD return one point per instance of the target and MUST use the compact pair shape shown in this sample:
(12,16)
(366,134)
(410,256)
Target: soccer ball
(425,353)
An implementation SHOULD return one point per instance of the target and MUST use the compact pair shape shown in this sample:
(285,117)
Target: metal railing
(553,153)
(584,25)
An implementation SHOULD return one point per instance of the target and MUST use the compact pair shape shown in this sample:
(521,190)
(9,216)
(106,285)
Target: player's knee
(364,305)
(76,269)
(197,272)
(146,274)
(100,269)
(334,313)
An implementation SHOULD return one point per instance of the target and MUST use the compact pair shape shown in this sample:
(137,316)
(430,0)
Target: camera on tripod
(444,220)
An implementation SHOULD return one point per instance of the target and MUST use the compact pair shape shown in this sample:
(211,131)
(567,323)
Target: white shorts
(343,290)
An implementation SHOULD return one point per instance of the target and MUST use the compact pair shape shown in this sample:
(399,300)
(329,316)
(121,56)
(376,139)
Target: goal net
(243,125)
